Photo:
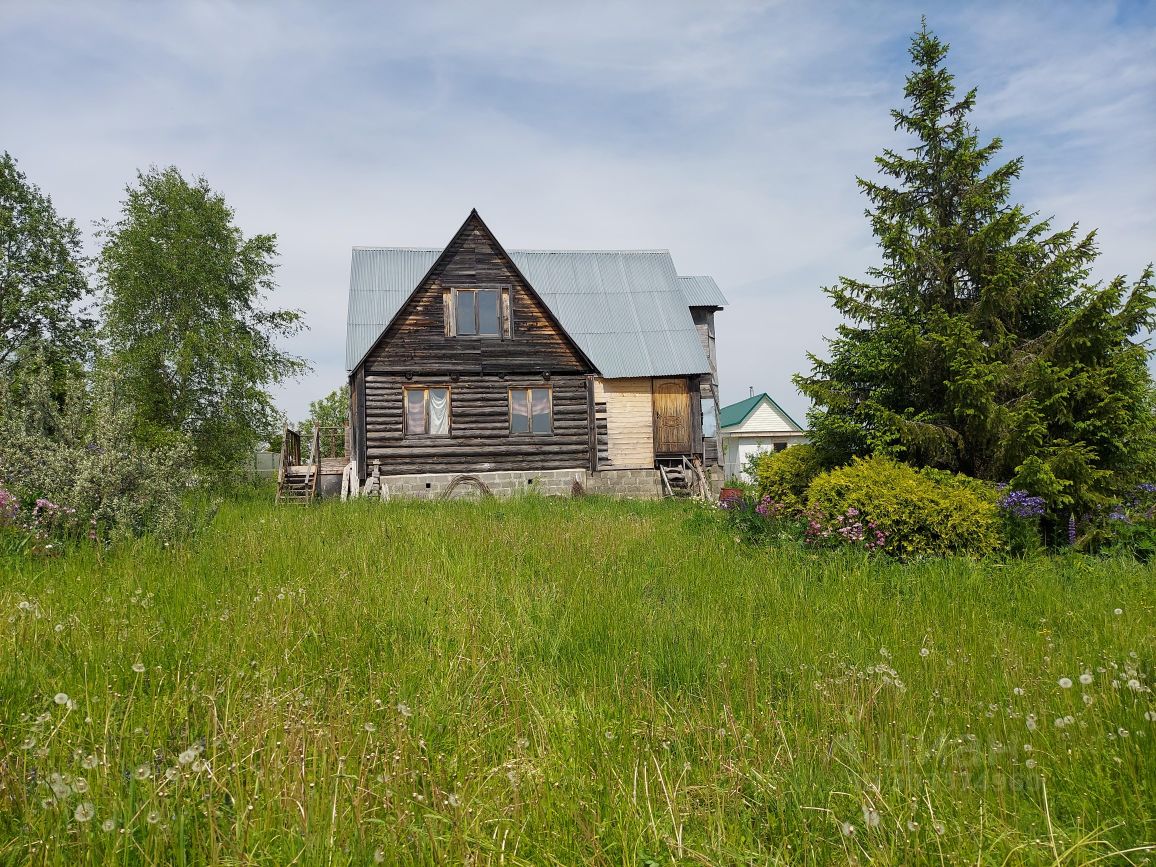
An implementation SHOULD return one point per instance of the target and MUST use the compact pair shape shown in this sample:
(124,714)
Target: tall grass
(563,682)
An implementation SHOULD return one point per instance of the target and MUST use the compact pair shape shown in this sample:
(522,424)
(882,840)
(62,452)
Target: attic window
(478,312)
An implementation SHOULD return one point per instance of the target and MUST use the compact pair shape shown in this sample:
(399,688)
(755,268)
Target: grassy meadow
(567,682)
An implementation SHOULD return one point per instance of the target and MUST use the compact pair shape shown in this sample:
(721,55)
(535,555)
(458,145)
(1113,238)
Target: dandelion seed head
(1150,715)
(924,652)
(80,785)
(1086,698)
(1030,763)
(453,800)
(378,856)
(848,829)
(61,698)
(89,762)
(84,811)
(1086,678)
(1065,683)
(912,825)
(870,817)
(1122,732)
(1060,722)
(370,727)
(1134,685)
(1031,722)
(153,817)
(143,772)
(1018,691)
(186,756)
(138,667)
(108,825)
(403,709)
(28,743)
(60,789)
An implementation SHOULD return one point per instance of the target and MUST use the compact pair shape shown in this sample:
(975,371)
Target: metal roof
(702,292)
(627,310)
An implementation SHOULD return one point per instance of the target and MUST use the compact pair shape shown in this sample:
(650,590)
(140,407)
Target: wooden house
(541,370)
(753,425)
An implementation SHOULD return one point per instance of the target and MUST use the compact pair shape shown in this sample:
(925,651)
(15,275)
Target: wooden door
(671,417)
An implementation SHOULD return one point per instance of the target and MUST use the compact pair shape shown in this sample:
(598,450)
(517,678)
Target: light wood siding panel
(764,419)
(629,421)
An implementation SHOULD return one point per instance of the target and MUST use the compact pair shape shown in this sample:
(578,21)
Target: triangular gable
(735,414)
(472,222)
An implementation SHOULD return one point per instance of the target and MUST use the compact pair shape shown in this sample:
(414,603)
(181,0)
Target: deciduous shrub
(917,512)
(785,476)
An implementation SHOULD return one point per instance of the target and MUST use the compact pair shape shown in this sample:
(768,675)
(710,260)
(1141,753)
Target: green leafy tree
(182,293)
(979,343)
(42,280)
(330,411)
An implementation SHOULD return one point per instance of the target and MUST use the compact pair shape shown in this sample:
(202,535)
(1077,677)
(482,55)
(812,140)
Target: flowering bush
(1020,513)
(72,470)
(784,476)
(762,520)
(846,529)
(915,512)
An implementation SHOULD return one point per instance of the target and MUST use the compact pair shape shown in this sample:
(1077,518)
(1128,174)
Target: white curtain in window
(439,411)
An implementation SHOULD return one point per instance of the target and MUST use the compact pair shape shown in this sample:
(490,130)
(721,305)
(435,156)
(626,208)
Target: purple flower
(1071,529)
(1022,504)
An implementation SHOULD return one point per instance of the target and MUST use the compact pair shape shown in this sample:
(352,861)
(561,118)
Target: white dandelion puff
(199,765)
(1086,678)
(172,773)
(48,803)
(912,825)
(1087,698)
(848,829)
(1031,722)
(61,698)
(924,652)
(453,800)
(370,727)
(378,856)
(80,785)
(1150,715)
(187,756)
(938,826)
(1060,722)
(1118,611)
(870,817)
(28,743)
(89,762)
(1018,691)
(84,811)
(60,789)
(153,817)
(403,709)
(1134,685)
(108,825)
(1030,763)
(1065,683)
(143,772)
(1069,719)
(138,667)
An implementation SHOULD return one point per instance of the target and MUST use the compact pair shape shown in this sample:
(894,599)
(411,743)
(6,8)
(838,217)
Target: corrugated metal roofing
(626,309)
(702,292)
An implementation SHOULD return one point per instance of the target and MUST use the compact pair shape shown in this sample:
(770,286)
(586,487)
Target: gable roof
(736,413)
(626,310)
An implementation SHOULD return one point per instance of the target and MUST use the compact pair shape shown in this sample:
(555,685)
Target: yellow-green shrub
(924,512)
(785,476)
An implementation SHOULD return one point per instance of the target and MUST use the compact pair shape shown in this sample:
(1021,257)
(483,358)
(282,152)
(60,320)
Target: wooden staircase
(683,478)
(297,482)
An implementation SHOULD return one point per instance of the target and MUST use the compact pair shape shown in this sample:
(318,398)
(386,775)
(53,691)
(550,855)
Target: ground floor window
(531,411)
(427,411)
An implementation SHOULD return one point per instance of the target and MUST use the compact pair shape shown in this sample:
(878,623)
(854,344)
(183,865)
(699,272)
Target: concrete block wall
(638,484)
(430,486)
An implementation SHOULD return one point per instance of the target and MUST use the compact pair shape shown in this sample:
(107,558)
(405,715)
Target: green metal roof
(736,413)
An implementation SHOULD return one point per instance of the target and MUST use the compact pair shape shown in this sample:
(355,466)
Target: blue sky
(729,133)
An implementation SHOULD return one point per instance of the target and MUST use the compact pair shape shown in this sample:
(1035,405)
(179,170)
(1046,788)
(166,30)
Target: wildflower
(1065,683)
(88,762)
(370,727)
(848,829)
(153,817)
(1086,678)
(1069,719)
(1118,611)
(1071,529)
(61,698)
(84,811)
(924,652)
(28,743)
(1022,504)
(1122,732)
(187,756)
(47,804)
(1028,748)
(912,825)
(1031,722)
(172,773)
(138,667)
(199,765)
(1018,691)
(870,817)
(379,856)
(1060,722)
(108,825)
(938,826)
(1087,698)
(60,789)
(1030,763)
(453,800)
(1134,685)
(80,785)
(143,772)
(403,709)
(1150,715)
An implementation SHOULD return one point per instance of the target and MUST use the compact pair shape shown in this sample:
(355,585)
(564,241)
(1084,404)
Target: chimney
(752,388)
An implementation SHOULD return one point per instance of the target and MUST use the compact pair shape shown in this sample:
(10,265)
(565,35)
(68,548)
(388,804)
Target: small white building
(753,425)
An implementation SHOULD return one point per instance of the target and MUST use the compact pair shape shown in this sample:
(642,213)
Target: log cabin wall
(418,349)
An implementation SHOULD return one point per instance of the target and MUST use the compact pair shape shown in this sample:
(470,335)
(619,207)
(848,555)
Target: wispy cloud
(729,133)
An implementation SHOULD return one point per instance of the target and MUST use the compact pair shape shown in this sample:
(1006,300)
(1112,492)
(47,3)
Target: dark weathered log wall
(480,438)
(419,350)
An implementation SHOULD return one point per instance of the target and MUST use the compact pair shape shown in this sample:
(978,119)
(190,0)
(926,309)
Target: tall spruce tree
(979,343)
